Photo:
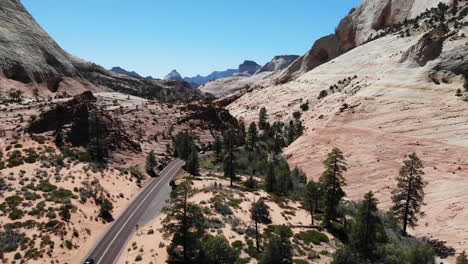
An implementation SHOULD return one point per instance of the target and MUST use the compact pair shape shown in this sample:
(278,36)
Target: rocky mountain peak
(174,76)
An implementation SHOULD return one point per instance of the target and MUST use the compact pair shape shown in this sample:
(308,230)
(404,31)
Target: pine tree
(252,136)
(333,181)
(311,198)
(193,165)
(278,250)
(260,214)
(229,162)
(218,148)
(186,222)
(242,131)
(183,144)
(408,196)
(367,229)
(270,178)
(151,164)
(263,118)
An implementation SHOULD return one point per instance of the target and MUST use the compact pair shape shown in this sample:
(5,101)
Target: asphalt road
(110,245)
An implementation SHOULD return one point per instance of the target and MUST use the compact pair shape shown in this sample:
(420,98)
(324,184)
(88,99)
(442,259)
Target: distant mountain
(200,80)
(174,76)
(278,63)
(248,68)
(123,71)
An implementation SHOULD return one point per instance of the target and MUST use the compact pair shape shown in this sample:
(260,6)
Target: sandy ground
(150,243)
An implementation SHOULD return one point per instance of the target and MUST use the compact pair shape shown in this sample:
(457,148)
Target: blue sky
(154,37)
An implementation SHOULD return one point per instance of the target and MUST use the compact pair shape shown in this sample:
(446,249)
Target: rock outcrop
(173,76)
(374,15)
(278,63)
(360,25)
(248,68)
(27,53)
(323,50)
(428,48)
(74,119)
(123,71)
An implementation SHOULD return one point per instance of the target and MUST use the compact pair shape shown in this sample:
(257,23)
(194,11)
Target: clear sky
(153,37)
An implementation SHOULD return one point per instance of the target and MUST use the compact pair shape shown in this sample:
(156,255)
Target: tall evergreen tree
(311,198)
(193,165)
(260,214)
(270,178)
(242,131)
(186,222)
(218,148)
(262,118)
(368,229)
(183,144)
(252,136)
(408,196)
(333,181)
(151,164)
(229,162)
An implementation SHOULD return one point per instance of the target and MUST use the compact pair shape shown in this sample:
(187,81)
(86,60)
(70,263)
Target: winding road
(109,247)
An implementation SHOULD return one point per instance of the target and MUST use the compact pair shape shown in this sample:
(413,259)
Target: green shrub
(14,201)
(46,186)
(17,255)
(222,208)
(38,138)
(32,155)
(312,236)
(68,244)
(15,159)
(300,261)
(61,195)
(16,214)
(238,244)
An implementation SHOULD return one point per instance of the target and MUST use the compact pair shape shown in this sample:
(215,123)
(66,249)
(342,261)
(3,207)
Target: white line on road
(121,215)
(130,217)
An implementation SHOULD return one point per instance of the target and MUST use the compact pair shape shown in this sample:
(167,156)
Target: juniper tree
(367,230)
(408,196)
(333,181)
(252,136)
(262,118)
(151,164)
